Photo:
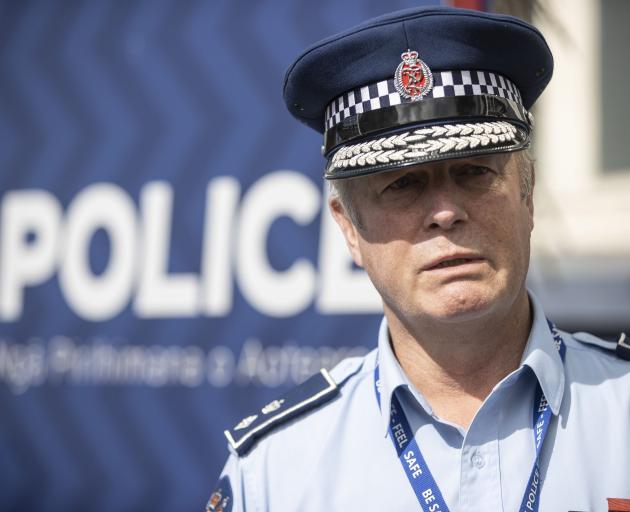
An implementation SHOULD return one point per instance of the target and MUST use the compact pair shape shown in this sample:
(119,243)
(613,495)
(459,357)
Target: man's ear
(349,230)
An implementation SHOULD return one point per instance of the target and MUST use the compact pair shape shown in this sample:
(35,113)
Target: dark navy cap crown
(445,37)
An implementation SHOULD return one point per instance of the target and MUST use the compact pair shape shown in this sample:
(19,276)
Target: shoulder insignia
(621,347)
(318,389)
(221,498)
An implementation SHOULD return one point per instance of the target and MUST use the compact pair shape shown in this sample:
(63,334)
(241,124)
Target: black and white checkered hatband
(445,84)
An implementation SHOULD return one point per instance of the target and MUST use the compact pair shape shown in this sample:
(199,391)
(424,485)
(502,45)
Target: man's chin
(461,304)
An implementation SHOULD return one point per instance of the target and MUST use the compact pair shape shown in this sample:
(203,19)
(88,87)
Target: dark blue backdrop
(164,264)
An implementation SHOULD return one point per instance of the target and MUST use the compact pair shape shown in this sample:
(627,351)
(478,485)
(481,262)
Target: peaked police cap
(420,85)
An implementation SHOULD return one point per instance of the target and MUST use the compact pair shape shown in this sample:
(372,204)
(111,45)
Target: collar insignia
(273,406)
(246,422)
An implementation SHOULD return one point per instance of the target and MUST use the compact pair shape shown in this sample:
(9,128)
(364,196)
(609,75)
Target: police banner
(167,262)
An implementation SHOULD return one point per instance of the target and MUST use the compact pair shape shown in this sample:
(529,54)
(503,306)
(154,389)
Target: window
(615,85)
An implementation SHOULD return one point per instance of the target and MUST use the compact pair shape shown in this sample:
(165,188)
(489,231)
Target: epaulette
(621,347)
(315,391)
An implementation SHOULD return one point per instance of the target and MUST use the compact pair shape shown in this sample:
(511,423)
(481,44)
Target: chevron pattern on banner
(164,264)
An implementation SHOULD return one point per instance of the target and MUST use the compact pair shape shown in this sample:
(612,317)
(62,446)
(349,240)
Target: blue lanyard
(420,478)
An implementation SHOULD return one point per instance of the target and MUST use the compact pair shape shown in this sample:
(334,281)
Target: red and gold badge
(413,78)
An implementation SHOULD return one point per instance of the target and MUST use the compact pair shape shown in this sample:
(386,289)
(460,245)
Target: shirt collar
(392,376)
(540,355)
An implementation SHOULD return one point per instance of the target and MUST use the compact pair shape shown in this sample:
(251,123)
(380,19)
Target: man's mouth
(454,262)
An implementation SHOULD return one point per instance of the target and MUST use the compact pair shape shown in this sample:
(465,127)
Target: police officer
(472,399)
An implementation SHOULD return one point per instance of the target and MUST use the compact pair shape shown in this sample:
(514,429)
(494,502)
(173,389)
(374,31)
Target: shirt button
(478,461)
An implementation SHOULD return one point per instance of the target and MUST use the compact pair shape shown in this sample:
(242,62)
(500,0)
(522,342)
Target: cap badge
(413,78)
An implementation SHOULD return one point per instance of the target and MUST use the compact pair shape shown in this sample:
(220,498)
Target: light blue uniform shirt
(339,457)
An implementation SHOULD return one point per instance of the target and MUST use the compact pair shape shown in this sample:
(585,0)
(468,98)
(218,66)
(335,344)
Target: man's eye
(475,170)
(401,183)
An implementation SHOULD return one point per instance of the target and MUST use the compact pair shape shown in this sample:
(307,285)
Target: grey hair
(341,190)
(526,172)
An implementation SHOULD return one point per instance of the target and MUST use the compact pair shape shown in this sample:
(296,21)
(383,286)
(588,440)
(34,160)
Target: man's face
(445,241)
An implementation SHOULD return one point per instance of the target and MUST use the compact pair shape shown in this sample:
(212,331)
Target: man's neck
(456,367)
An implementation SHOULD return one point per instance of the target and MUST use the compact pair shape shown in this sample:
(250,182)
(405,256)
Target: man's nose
(445,209)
